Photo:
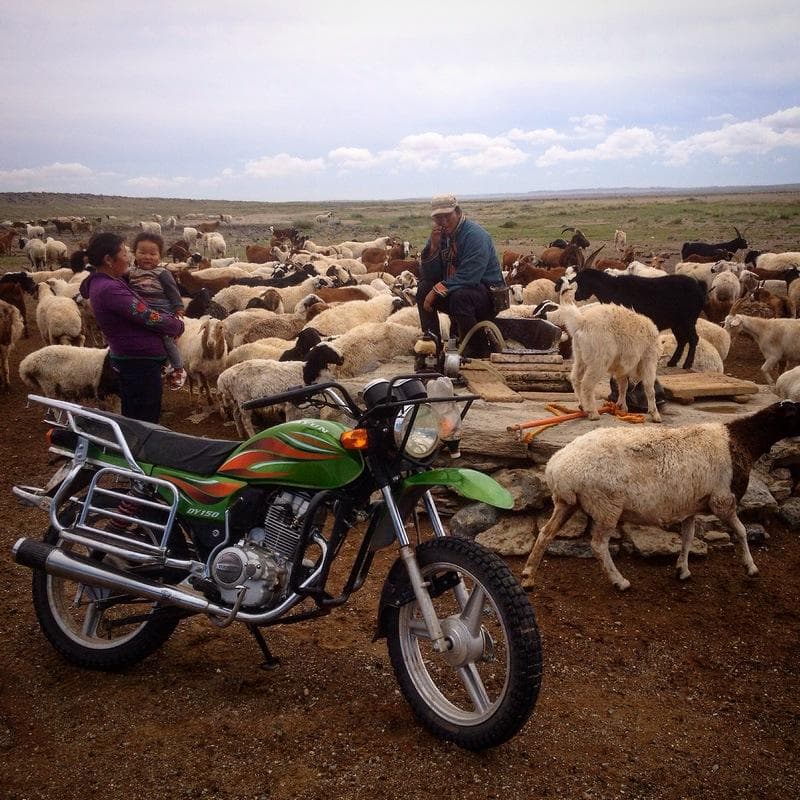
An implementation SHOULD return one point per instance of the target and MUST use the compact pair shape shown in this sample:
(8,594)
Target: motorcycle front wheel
(482,689)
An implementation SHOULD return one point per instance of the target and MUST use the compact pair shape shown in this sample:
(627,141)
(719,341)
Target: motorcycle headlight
(423,439)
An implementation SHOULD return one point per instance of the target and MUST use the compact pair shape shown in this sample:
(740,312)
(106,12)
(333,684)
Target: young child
(158,289)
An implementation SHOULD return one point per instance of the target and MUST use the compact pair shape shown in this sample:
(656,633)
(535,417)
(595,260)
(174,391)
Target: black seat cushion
(156,444)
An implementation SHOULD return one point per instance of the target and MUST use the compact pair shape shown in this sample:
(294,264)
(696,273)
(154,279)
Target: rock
(575,548)
(573,527)
(789,512)
(757,497)
(472,519)
(527,486)
(511,536)
(716,537)
(778,481)
(648,541)
(782,454)
(756,534)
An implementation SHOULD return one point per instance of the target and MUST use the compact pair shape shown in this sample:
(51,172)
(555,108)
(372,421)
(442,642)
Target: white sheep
(357,248)
(213,244)
(788,384)
(793,297)
(716,335)
(608,339)
(58,318)
(236,297)
(36,251)
(539,290)
(11,328)
(234,324)
(342,318)
(410,316)
(203,349)
(777,339)
(659,476)
(272,348)
(34,231)
(63,273)
(150,227)
(365,346)
(190,237)
(777,262)
(54,251)
(620,241)
(643,270)
(79,374)
(706,357)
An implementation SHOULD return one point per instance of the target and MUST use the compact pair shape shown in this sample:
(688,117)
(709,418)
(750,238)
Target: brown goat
(258,254)
(207,227)
(524,274)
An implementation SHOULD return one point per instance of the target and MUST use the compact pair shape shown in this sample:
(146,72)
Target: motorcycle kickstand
(270,661)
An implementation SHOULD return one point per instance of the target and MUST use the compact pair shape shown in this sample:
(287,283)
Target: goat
(720,251)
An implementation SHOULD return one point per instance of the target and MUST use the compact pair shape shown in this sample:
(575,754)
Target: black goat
(718,251)
(673,302)
(202,304)
(306,339)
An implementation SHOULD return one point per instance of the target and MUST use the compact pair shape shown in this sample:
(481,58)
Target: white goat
(777,339)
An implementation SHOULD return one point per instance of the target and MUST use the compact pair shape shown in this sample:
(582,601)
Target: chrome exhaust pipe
(51,559)
(55,561)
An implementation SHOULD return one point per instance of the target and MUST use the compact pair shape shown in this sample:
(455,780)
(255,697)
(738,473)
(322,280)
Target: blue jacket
(467,258)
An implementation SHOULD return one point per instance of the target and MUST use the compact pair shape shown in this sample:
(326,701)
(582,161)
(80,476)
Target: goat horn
(564,230)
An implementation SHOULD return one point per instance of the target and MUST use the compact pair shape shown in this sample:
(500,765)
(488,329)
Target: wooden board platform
(486,381)
(686,387)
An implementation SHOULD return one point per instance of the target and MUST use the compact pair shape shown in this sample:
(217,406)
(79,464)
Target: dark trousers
(140,387)
(465,307)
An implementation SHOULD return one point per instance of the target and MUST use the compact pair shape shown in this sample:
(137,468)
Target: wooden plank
(488,383)
(534,376)
(687,386)
(525,357)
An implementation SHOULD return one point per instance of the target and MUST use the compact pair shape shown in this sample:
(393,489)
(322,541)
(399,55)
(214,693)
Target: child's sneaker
(177,378)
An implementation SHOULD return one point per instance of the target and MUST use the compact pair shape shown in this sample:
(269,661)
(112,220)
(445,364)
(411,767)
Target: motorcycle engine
(261,561)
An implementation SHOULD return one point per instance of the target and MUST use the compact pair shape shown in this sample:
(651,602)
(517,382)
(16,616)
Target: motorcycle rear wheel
(481,691)
(90,626)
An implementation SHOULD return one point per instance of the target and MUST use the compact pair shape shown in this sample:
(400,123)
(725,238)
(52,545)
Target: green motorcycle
(148,526)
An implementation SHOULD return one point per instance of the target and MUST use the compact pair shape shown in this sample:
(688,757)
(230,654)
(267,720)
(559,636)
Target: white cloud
(622,144)
(353,158)
(589,124)
(490,158)
(536,136)
(756,137)
(155,182)
(57,172)
(283,165)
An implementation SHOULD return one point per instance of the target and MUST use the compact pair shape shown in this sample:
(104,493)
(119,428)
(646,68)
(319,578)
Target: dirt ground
(668,691)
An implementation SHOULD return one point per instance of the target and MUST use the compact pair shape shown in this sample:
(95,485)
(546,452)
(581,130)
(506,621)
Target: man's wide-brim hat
(443,204)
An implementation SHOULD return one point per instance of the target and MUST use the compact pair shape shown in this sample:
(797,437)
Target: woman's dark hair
(147,236)
(102,245)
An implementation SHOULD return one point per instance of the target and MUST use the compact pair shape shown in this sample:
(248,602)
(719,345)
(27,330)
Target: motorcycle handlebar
(301,392)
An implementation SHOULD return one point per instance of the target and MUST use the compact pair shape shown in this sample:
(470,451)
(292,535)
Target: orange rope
(564,414)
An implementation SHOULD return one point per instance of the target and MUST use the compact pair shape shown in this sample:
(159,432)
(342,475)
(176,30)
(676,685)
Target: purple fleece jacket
(131,327)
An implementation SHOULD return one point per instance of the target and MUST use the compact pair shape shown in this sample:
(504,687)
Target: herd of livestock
(294,311)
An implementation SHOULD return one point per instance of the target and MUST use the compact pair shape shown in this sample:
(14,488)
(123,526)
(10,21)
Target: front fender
(466,482)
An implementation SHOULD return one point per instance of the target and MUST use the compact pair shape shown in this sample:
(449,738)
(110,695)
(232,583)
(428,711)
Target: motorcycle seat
(155,444)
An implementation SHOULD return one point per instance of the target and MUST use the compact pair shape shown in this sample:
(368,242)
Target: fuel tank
(303,453)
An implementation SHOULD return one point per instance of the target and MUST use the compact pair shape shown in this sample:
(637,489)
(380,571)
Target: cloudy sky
(329,100)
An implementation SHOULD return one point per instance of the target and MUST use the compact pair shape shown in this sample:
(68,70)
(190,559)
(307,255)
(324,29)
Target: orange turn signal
(355,439)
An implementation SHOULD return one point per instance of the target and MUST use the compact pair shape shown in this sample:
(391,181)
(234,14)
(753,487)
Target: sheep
(58,318)
(715,335)
(13,286)
(659,476)
(773,262)
(706,357)
(674,301)
(202,305)
(190,235)
(208,227)
(213,245)
(788,385)
(64,372)
(357,248)
(643,271)
(171,222)
(11,327)
(36,251)
(777,339)
(236,323)
(151,227)
(262,377)
(203,350)
(793,298)
(55,251)
(716,250)
(275,348)
(537,291)
(611,340)
(342,318)
(34,231)
(365,346)
(282,326)
(620,241)
(725,289)
(236,297)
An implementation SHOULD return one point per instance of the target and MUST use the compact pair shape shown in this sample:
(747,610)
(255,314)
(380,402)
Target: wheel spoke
(471,679)
(471,615)
(91,620)
(417,628)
